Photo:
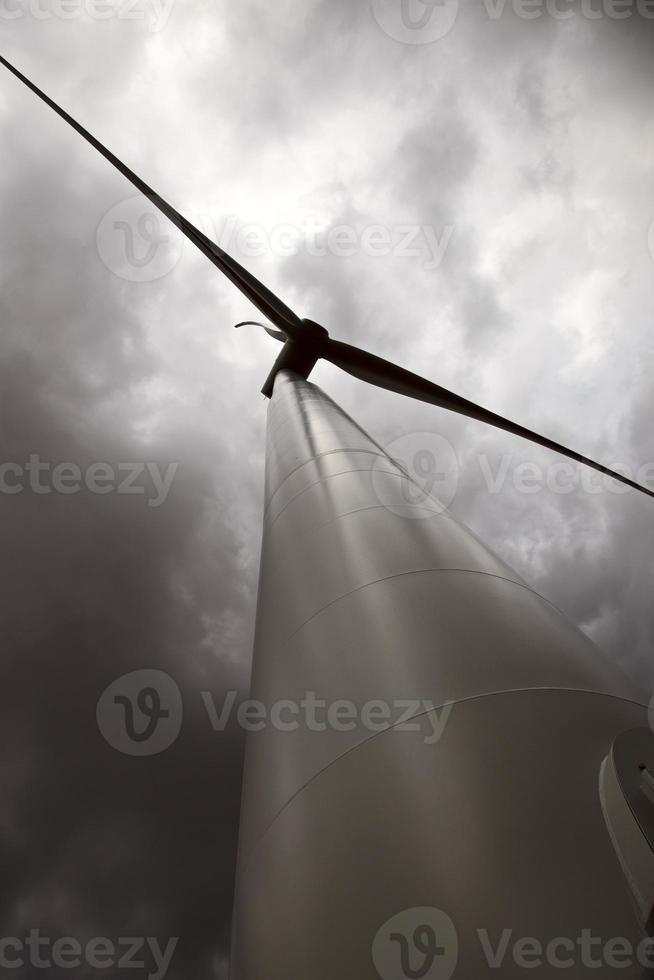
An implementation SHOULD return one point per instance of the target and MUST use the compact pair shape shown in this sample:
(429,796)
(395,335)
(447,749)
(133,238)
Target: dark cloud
(528,139)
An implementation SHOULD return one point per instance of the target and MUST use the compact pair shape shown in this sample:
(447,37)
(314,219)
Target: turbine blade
(377,371)
(258,294)
(275,334)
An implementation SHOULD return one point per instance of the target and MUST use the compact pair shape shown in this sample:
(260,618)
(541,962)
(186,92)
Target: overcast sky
(467,191)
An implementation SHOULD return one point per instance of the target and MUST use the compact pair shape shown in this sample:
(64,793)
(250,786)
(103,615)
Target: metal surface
(489,811)
(627,795)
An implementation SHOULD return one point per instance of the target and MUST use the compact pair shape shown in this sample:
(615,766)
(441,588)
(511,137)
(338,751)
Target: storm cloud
(523,146)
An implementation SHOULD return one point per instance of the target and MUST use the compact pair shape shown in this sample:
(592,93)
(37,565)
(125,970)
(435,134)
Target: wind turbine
(506,821)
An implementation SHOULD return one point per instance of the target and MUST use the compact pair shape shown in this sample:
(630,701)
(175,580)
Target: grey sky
(518,153)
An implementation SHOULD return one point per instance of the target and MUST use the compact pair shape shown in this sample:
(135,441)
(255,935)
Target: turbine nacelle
(302,349)
(300,353)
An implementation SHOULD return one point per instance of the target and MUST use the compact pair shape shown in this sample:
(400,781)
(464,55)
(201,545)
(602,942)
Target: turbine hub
(300,353)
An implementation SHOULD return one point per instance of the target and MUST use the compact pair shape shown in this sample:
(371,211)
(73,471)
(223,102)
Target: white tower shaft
(488,808)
